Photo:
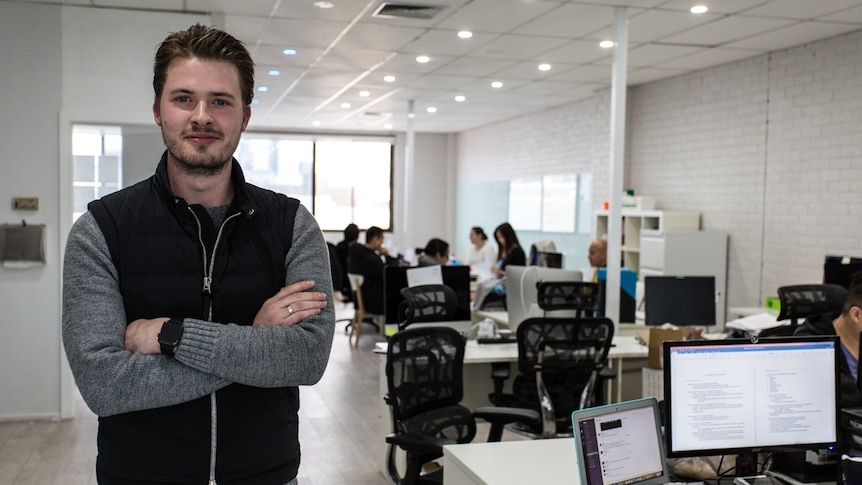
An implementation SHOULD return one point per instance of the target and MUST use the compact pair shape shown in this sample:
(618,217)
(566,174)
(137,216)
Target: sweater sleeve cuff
(196,346)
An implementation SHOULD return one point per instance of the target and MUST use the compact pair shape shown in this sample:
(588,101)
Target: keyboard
(495,340)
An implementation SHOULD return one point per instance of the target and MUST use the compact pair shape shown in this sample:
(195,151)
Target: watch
(169,336)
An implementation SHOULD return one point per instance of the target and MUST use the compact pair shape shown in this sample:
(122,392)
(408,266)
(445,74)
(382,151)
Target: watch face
(170,335)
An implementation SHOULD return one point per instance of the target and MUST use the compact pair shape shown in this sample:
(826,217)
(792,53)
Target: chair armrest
(419,444)
(504,415)
(607,373)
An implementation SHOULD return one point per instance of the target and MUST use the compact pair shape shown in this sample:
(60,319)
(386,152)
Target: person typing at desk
(368,260)
(847,325)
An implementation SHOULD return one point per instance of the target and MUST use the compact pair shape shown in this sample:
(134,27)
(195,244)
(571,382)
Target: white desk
(477,375)
(546,462)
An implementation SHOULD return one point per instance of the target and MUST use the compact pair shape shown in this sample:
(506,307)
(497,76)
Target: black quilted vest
(164,258)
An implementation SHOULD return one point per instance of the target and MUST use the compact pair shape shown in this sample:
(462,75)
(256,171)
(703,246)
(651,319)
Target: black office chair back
(424,368)
(427,303)
(802,301)
(583,297)
(559,361)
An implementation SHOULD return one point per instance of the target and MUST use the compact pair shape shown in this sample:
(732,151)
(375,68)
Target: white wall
(768,149)
(30,298)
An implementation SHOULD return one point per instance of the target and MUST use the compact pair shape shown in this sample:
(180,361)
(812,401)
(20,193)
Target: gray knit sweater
(210,356)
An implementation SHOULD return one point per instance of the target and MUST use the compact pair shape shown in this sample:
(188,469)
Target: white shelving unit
(634,221)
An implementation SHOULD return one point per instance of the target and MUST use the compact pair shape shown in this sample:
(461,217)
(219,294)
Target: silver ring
(289,310)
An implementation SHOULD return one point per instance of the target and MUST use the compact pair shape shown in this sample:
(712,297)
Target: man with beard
(195,303)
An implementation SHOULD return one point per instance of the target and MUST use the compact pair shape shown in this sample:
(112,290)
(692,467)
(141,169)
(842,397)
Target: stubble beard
(200,160)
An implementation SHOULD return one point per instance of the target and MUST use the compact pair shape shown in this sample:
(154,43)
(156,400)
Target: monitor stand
(746,470)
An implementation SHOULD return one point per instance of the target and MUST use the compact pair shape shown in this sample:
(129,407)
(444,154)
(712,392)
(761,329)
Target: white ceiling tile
(496,15)
(726,30)
(794,34)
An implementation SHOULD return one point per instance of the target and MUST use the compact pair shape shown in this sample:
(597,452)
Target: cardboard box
(654,338)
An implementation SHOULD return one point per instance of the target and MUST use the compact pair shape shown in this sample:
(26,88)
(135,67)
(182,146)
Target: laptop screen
(620,444)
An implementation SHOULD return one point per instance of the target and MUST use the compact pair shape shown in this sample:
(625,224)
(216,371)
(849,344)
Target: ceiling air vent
(406,10)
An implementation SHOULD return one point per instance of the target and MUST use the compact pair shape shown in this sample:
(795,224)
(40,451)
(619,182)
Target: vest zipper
(207,291)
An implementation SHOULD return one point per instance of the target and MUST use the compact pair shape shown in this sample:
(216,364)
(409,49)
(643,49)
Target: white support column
(409,152)
(617,139)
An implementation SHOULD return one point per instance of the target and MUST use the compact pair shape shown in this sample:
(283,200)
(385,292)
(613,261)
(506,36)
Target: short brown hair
(204,43)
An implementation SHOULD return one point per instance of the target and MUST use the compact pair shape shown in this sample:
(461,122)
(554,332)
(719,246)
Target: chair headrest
(800,301)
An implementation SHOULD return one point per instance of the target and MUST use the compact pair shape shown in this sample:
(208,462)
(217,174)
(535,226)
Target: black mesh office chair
(560,360)
(803,301)
(424,367)
(427,303)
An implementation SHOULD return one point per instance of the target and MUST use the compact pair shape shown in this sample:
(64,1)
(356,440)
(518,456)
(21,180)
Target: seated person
(480,250)
(509,249)
(351,235)
(368,260)
(847,326)
(435,252)
(598,256)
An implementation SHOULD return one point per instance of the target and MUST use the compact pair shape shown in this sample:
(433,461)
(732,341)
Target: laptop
(620,444)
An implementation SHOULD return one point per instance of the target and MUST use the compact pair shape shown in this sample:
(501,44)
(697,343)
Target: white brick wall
(769,149)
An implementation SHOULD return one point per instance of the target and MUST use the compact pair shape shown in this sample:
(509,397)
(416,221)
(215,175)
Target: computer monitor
(680,300)
(395,278)
(549,260)
(839,270)
(742,396)
(522,294)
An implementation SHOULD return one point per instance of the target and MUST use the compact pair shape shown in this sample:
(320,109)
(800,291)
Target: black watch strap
(169,335)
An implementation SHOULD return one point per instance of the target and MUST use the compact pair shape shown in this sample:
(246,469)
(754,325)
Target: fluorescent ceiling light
(274,72)
(423,59)
(431,109)
(460,98)
(544,67)
(699,9)
(389,78)
(606,44)
(364,94)
(496,84)
(289,52)
(465,34)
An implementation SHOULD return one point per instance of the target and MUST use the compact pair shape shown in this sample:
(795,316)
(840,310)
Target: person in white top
(480,251)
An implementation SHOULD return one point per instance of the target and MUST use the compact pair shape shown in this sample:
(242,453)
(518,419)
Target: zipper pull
(208,285)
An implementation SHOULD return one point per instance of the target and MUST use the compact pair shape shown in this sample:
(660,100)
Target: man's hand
(291,305)
(142,335)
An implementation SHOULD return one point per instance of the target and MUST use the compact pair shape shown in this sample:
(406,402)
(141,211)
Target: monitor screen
(839,270)
(522,293)
(680,300)
(549,260)
(395,278)
(738,396)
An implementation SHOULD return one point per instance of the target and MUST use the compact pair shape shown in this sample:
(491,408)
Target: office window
(353,183)
(281,164)
(339,180)
(561,202)
(97,164)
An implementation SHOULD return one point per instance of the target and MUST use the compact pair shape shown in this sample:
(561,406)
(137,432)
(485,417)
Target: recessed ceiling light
(423,59)
(262,89)
(289,52)
(699,9)
(324,4)
(255,101)
(389,79)
(431,109)
(544,67)
(460,98)
(364,94)
(315,123)
(388,126)
(606,44)
(496,84)
(345,105)
(411,115)
(465,34)
(274,72)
